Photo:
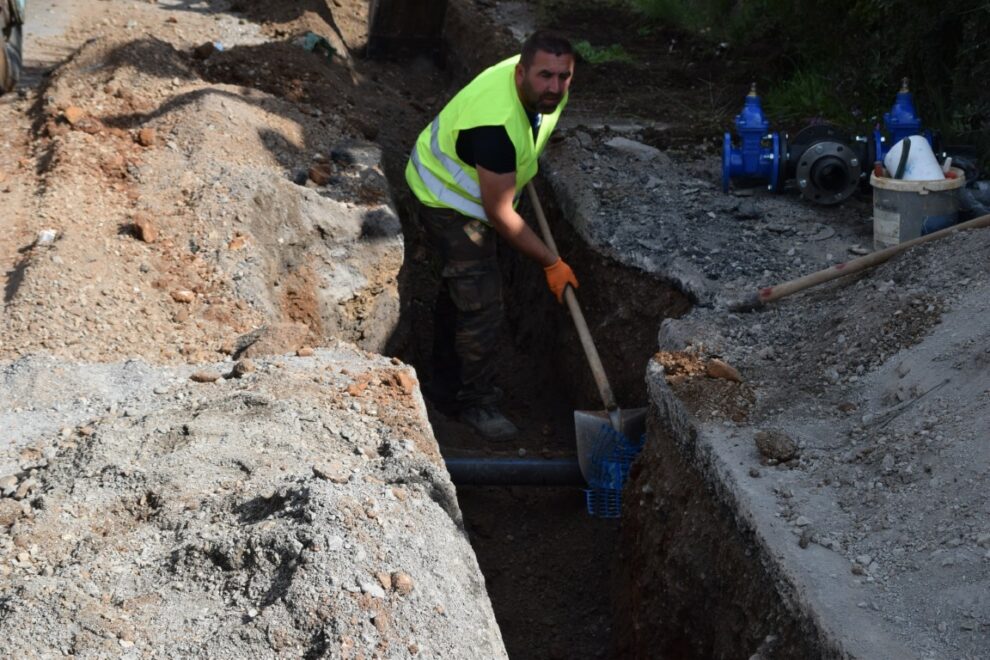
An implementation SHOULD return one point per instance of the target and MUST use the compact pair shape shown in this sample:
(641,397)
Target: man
(11,38)
(468,169)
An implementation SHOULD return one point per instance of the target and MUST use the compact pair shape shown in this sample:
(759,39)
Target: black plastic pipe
(514,471)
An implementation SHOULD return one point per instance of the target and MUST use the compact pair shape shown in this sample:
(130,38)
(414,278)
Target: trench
(550,568)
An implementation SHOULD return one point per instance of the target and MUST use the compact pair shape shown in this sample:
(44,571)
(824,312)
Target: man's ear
(520,73)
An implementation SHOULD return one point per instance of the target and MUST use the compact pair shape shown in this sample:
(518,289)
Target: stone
(320,174)
(356,152)
(242,367)
(402,582)
(25,488)
(204,376)
(147,137)
(183,296)
(633,148)
(776,445)
(144,227)
(718,369)
(10,512)
(370,588)
(747,210)
(205,50)
(334,471)
(305,351)
(8,485)
(74,114)
(385,580)
(405,382)
(275,339)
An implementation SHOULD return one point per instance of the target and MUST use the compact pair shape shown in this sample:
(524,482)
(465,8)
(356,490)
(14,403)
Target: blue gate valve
(902,121)
(755,159)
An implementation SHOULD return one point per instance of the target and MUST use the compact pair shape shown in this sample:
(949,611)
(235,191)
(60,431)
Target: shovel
(599,434)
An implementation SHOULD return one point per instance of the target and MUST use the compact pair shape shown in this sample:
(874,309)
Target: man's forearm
(511,226)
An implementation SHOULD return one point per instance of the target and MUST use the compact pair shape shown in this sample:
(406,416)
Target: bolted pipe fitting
(826,163)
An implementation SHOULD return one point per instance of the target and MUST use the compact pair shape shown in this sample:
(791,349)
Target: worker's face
(542,86)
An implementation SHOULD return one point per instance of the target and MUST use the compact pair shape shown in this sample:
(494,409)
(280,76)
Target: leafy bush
(846,58)
(600,55)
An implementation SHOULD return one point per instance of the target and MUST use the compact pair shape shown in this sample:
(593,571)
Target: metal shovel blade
(588,429)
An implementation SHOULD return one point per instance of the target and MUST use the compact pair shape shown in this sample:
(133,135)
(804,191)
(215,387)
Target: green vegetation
(806,95)
(602,54)
(843,60)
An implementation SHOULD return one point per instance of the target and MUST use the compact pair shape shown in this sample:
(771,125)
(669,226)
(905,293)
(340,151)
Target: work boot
(489,422)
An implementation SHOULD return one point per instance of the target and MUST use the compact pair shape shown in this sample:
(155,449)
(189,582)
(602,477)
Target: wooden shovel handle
(594,361)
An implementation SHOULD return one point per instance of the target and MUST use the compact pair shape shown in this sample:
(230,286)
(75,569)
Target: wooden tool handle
(594,361)
(776,292)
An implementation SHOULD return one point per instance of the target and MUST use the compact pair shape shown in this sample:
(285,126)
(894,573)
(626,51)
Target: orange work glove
(559,275)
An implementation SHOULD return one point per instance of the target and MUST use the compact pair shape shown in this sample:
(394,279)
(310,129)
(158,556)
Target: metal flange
(827,165)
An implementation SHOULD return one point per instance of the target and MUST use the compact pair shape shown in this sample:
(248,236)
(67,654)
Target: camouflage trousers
(11,43)
(468,312)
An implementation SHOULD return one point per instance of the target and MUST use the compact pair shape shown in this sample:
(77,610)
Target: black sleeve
(488,146)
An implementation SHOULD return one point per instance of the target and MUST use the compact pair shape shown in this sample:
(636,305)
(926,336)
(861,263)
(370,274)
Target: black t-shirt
(490,146)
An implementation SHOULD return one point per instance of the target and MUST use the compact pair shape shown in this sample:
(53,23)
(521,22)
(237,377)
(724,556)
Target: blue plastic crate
(612,455)
(603,502)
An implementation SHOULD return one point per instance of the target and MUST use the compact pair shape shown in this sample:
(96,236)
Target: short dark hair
(546,40)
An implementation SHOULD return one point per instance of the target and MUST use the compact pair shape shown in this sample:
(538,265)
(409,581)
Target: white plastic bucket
(903,210)
(921,162)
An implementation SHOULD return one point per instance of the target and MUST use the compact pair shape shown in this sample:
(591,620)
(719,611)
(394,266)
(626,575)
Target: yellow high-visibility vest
(439,178)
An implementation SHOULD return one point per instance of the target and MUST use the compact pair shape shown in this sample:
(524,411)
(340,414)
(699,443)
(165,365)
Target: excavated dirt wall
(166,488)
(695,583)
(295,508)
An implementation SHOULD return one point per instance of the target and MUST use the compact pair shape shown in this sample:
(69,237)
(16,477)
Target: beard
(544,103)
(548,103)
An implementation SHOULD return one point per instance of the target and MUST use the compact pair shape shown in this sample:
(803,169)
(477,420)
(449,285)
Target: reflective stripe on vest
(462,178)
(445,195)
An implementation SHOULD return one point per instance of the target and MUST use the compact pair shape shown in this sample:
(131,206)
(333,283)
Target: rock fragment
(147,137)
(25,488)
(8,485)
(242,368)
(405,382)
(10,511)
(370,588)
(633,148)
(776,445)
(205,376)
(333,471)
(357,389)
(144,228)
(402,582)
(385,580)
(205,50)
(320,174)
(74,114)
(183,296)
(718,369)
